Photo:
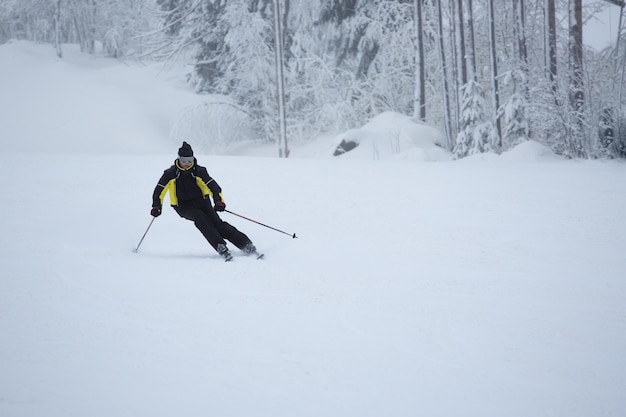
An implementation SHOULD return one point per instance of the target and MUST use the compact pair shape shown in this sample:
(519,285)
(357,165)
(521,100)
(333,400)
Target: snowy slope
(491,286)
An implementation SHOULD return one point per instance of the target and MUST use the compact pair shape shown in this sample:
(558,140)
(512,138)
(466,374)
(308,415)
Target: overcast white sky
(600,31)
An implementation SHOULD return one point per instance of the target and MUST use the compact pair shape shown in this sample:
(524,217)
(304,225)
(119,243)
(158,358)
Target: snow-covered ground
(418,286)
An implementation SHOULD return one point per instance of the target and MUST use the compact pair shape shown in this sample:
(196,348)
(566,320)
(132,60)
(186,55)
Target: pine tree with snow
(476,135)
(516,128)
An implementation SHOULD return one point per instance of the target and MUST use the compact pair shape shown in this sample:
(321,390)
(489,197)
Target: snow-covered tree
(515,120)
(246,64)
(348,60)
(477,135)
(114,24)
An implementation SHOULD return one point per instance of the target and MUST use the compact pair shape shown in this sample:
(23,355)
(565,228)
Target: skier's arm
(209,186)
(161,188)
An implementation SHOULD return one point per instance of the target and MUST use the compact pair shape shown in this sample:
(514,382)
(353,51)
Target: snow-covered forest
(489,74)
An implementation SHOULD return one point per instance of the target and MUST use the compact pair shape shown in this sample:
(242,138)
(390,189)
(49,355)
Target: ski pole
(269,227)
(144,235)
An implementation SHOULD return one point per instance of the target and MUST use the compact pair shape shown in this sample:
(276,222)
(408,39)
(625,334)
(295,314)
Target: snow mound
(392,135)
(530,151)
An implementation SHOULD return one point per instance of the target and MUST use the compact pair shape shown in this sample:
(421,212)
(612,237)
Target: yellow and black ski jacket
(187,187)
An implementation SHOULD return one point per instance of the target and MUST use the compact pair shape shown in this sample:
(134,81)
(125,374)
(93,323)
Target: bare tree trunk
(369,54)
(616,62)
(285,30)
(550,45)
(460,43)
(471,54)
(57,28)
(520,32)
(576,92)
(458,48)
(84,15)
(283,149)
(444,80)
(495,89)
(419,104)
(91,46)
(521,83)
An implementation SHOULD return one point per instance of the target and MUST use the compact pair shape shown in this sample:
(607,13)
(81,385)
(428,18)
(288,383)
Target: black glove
(156,211)
(220,206)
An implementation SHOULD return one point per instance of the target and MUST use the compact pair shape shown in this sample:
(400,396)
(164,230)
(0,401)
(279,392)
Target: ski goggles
(185,159)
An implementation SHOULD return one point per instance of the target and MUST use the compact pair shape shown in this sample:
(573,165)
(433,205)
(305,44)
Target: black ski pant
(214,229)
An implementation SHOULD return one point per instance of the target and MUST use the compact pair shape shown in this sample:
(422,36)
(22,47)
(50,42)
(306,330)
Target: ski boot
(250,249)
(224,252)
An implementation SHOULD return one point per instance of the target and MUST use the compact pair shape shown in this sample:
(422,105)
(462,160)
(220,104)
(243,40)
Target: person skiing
(189,186)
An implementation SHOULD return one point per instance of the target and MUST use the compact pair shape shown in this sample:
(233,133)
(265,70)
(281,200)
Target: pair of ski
(230,257)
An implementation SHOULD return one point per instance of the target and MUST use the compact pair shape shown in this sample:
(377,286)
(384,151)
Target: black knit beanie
(185,150)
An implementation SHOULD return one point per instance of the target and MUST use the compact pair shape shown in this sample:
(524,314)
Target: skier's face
(185,161)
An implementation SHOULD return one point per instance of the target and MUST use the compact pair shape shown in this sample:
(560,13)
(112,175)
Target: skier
(189,186)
